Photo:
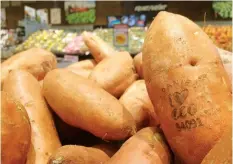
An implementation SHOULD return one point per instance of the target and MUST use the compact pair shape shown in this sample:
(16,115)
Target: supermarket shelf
(216,23)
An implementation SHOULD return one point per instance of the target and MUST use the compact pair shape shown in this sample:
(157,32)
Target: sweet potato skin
(90,107)
(15,131)
(228,68)
(98,48)
(35,60)
(114,74)
(138,65)
(187,84)
(147,146)
(222,151)
(136,100)
(71,154)
(109,149)
(82,68)
(24,87)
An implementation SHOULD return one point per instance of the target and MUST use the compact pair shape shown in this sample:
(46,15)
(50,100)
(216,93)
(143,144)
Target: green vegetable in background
(81,17)
(223,9)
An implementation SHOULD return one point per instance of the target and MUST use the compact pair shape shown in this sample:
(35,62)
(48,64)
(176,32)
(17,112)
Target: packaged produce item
(187,84)
(36,61)
(44,139)
(114,74)
(146,146)
(15,131)
(90,107)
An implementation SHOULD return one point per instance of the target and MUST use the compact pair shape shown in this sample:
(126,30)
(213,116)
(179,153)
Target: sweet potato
(71,154)
(82,68)
(114,74)
(35,60)
(136,100)
(24,87)
(187,84)
(138,64)
(15,131)
(70,135)
(147,146)
(221,152)
(228,68)
(98,48)
(109,149)
(81,103)
(41,83)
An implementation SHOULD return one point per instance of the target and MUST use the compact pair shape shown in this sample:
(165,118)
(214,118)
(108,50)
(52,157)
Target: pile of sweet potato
(169,104)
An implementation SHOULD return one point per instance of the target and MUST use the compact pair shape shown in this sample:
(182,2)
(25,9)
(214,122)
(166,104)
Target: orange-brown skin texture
(72,154)
(41,83)
(136,100)
(228,68)
(15,131)
(24,87)
(35,60)
(221,152)
(138,64)
(115,74)
(82,68)
(109,149)
(147,146)
(98,48)
(81,103)
(186,82)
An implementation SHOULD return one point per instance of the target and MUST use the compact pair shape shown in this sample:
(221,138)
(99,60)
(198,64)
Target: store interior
(57,25)
(116,82)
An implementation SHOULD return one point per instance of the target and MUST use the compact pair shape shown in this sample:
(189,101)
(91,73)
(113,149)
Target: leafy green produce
(223,9)
(81,17)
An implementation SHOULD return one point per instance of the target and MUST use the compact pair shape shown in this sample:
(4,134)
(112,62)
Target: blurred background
(57,25)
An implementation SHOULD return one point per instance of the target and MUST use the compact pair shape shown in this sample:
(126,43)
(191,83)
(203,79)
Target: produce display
(61,42)
(8,42)
(220,35)
(76,46)
(51,40)
(223,9)
(81,17)
(107,110)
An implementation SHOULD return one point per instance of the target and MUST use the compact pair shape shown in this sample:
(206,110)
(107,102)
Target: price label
(120,35)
